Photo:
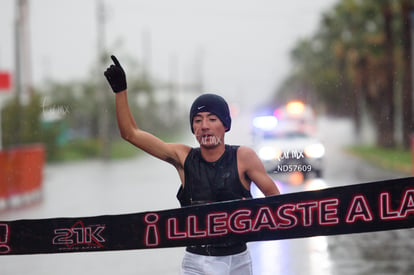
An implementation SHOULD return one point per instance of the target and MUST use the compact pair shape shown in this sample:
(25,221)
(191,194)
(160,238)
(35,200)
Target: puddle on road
(386,252)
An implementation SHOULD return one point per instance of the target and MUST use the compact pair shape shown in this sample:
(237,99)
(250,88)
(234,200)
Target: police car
(285,140)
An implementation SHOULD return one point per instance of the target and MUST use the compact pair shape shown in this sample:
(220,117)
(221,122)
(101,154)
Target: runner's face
(208,129)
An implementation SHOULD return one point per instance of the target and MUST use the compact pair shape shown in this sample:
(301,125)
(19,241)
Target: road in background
(387,252)
(144,183)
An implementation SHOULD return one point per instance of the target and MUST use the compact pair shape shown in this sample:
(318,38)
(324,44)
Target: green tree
(31,129)
(349,64)
(407,89)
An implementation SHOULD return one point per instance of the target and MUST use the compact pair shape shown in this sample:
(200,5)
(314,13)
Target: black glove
(116,76)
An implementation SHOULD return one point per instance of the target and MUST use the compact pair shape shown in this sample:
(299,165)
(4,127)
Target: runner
(212,172)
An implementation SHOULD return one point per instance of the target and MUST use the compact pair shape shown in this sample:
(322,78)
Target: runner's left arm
(256,172)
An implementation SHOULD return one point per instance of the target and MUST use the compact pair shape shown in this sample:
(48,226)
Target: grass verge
(395,159)
(81,149)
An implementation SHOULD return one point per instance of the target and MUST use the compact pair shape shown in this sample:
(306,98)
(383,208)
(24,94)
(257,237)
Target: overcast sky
(240,47)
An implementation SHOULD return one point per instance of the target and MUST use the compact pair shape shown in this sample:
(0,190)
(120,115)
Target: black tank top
(211,181)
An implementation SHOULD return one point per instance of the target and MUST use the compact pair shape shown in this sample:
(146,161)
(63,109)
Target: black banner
(374,206)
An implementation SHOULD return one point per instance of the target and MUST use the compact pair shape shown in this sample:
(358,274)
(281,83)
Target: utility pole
(146,55)
(199,67)
(102,92)
(22,61)
(173,86)
(22,52)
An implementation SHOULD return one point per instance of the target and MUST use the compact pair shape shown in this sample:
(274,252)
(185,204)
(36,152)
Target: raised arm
(170,152)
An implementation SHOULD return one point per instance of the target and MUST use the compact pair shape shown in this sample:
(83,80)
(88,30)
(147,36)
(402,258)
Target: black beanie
(214,104)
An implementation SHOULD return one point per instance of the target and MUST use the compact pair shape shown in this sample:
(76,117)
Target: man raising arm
(212,172)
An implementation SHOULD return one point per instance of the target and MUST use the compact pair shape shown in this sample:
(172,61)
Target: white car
(285,140)
(291,152)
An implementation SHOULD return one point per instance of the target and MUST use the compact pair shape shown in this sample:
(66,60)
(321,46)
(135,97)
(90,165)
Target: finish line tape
(366,207)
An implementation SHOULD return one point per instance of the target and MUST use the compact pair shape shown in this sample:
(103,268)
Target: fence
(21,175)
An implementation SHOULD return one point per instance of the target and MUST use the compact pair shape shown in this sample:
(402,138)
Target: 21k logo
(79,235)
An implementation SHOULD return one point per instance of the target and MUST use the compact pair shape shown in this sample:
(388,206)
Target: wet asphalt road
(144,183)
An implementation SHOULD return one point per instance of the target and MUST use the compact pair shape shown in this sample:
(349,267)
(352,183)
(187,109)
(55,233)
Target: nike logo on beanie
(211,103)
